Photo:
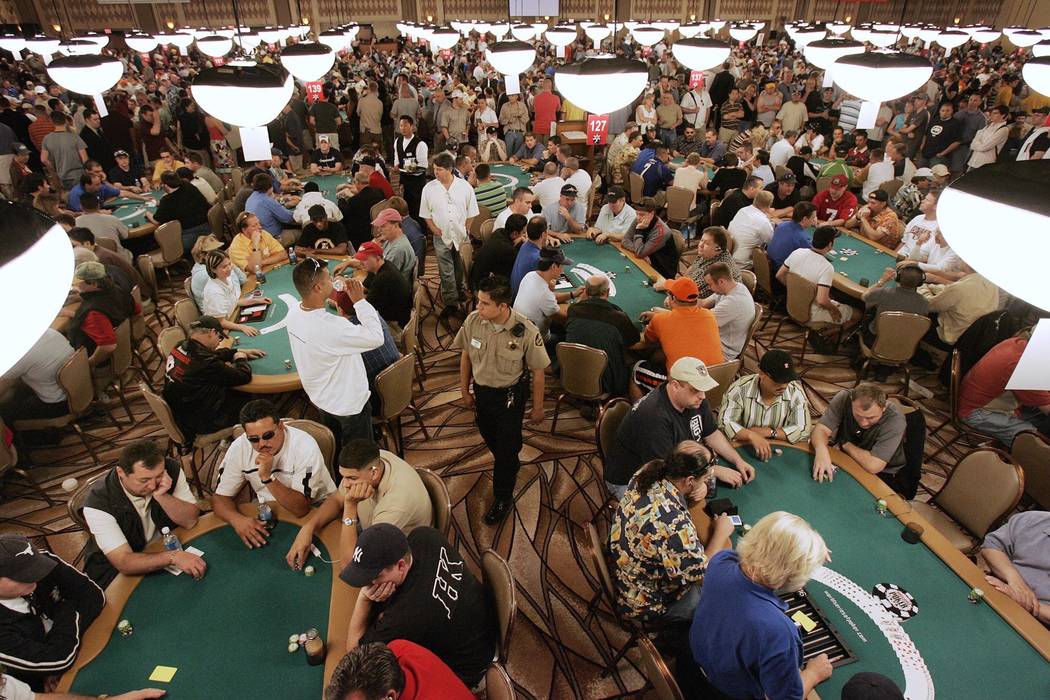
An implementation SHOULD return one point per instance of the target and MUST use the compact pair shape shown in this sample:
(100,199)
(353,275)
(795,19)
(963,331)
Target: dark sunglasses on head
(268,435)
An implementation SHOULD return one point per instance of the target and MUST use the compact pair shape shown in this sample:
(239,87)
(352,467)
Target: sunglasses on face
(268,435)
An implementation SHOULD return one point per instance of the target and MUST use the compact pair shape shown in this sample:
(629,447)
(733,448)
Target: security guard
(498,343)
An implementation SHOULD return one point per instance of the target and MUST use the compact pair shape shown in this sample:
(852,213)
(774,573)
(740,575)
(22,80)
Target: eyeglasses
(268,435)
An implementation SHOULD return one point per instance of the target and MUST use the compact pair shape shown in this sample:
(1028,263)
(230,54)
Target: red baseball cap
(839,181)
(367,249)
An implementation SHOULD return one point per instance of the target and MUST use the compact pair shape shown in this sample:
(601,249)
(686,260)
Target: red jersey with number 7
(829,209)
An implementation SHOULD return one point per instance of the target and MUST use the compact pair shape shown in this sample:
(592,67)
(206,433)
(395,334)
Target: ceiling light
(700,53)
(243,93)
(308,61)
(511,57)
(214,45)
(602,84)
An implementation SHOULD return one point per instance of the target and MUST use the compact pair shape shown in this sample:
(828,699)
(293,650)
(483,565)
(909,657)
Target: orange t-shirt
(687,332)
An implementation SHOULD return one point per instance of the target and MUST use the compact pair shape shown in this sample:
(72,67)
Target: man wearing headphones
(902,297)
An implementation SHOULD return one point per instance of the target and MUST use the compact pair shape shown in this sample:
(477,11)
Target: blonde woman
(222,293)
(741,637)
(645,114)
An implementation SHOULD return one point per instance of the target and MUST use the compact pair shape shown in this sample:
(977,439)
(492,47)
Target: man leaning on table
(863,424)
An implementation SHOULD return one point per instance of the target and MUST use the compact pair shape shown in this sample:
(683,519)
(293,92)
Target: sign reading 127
(597,129)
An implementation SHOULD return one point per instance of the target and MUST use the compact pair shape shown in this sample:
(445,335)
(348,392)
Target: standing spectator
(545,107)
(988,142)
(98,146)
(732,112)
(942,138)
(669,117)
(63,153)
(192,131)
(448,206)
(325,120)
(793,114)
(514,118)
(370,112)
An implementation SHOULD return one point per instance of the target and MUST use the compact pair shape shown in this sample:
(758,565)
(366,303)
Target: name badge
(475,343)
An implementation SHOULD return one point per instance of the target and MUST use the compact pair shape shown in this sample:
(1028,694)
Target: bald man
(596,322)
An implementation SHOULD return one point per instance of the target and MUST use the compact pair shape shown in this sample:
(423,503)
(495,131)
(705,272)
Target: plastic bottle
(266,515)
(171,542)
(260,276)
(292,257)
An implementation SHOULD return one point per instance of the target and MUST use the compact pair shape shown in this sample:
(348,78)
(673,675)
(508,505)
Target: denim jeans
(1004,427)
(190,236)
(450,270)
(667,136)
(616,490)
(514,140)
(347,428)
(682,609)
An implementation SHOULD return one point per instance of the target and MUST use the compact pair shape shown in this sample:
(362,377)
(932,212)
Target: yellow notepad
(805,620)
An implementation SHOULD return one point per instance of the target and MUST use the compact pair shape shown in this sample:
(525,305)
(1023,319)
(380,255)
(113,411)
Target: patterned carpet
(564,637)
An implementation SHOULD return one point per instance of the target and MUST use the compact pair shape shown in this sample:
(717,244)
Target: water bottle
(292,257)
(171,542)
(339,284)
(266,515)
(260,276)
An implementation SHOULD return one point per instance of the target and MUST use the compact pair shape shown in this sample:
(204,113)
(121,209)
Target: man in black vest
(136,500)
(411,158)
(103,307)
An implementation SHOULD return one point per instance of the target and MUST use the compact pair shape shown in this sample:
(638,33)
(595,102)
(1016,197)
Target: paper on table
(163,674)
(253,309)
(805,620)
(176,571)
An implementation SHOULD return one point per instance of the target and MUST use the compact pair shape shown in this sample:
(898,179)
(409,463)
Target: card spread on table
(805,620)
(174,570)
(163,674)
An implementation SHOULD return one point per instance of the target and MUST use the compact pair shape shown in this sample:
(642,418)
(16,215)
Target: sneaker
(499,510)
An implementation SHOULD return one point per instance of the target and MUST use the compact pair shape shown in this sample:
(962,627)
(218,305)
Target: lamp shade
(141,42)
(333,39)
(911,31)
(101,39)
(443,38)
(34,255)
(825,52)
(12,42)
(350,32)
(307,60)
(717,24)
(247,39)
(271,35)
(602,84)
(499,30)
(1036,73)
(952,38)
(985,35)
(647,35)
(929,34)
(1041,49)
(1009,198)
(880,76)
(243,93)
(838,28)
(511,57)
(79,47)
(861,33)
(1025,38)
(86,74)
(805,36)
(43,45)
(482,27)
(522,32)
(214,45)
(690,29)
(181,39)
(886,27)
(883,38)
(743,31)
(598,32)
(700,53)
(562,35)
(668,25)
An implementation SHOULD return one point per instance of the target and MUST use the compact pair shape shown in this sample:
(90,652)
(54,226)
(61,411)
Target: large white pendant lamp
(690,29)
(883,38)
(523,32)
(861,32)
(952,38)
(443,38)
(271,35)
(597,33)
(1036,73)
(700,53)
(1041,49)
(101,39)
(79,47)
(911,31)
(1025,38)
(499,30)
(985,35)
(743,31)
(879,76)
(838,28)
(34,255)
(807,35)
(929,34)
(42,44)
(647,34)
(561,35)
(247,39)
(180,39)
(602,84)
(333,39)
(824,52)
(307,60)
(243,93)
(511,57)
(86,74)
(141,42)
(214,45)
(12,42)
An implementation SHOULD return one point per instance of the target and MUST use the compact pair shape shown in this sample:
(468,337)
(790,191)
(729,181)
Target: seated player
(323,234)
(598,323)
(741,637)
(785,195)
(397,249)
(45,607)
(768,405)
(615,218)
(418,588)
(184,203)
(1019,558)
(489,191)
(863,424)
(650,239)
(278,462)
(988,407)
(520,203)
(536,298)
(166,161)
(312,197)
(202,185)
(497,254)
(877,222)
(733,307)
(713,248)
(376,486)
(529,251)
(736,200)
(729,176)
(273,216)
(199,272)
(370,166)
(129,507)
(103,307)
(357,209)
(812,264)
(529,154)
(127,173)
(401,670)
(30,387)
(691,176)
(835,205)
(658,559)
(222,293)
(751,228)
(902,297)
(657,174)
(252,246)
(959,304)
(102,223)
(389,291)
(566,216)
(326,160)
(676,410)
(924,243)
(791,235)
(687,330)
(198,376)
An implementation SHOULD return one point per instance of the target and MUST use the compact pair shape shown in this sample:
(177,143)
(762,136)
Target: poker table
(868,263)
(227,634)
(991,649)
(328,183)
(511,176)
(132,213)
(626,272)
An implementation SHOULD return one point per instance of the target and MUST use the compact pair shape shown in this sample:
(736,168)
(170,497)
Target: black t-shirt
(186,204)
(326,160)
(940,135)
(331,237)
(729,206)
(325,114)
(651,430)
(128,178)
(496,257)
(440,606)
(390,293)
(780,203)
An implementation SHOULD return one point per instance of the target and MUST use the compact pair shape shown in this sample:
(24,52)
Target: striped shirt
(742,407)
(492,195)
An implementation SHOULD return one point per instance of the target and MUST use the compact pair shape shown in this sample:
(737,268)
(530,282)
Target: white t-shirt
(910,247)
(548,191)
(39,367)
(449,209)
(690,178)
(107,533)
(301,214)
(750,229)
(582,179)
(766,173)
(780,153)
(816,144)
(14,689)
(696,100)
(878,173)
(327,351)
(220,298)
(501,220)
(536,300)
(812,266)
(299,466)
(734,312)
(617,224)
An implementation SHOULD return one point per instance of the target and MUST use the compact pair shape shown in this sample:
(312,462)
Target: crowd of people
(775,164)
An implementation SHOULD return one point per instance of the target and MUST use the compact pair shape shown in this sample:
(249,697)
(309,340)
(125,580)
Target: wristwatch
(267,481)
(349,522)
(772,433)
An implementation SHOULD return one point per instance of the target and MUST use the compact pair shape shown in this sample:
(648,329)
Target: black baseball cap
(569,190)
(378,547)
(370,161)
(787,176)
(119,153)
(19,148)
(615,194)
(208,322)
(871,686)
(555,255)
(779,366)
(880,195)
(21,561)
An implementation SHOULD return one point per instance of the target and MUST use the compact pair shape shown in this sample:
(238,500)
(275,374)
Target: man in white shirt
(691,176)
(30,386)
(102,223)
(924,243)
(751,228)
(312,197)
(614,219)
(733,307)
(520,203)
(696,105)
(129,507)
(812,264)
(327,351)
(573,174)
(536,298)
(448,205)
(548,189)
(878,170)
(782,150)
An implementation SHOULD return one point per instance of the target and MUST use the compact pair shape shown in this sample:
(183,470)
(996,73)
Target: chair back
(762,270)
(897,336)
(654,668)
(148,271)
(823,183)
(217,220)
(168,338)
(984,488)
(485,232)
(169,240)
(75,504)
(749,280)
(581,369)
(237,177)
(891,187)
(636,185)
(322,436)
(8,453)
(679,243)
(679,203)
(601,565)
(187,286)
(75,379)
(954,380)
(1031,451)
(408,335)
(609,419)
(440,502)
(500,582)
(753,328)
(779,170)
(159,405)
(120,361)
(723,373)
(394,386)
(229,210)
(800,295)
(376,209)
(484,214)
(186,313)
(107,243)
(716,204)
(498,685)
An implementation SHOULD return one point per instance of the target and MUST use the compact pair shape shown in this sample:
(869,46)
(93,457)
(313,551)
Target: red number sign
(313,91)
(597,129)
(696,78)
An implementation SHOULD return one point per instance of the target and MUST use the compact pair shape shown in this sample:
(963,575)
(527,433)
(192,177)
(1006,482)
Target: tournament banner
(597,129)
(314,91)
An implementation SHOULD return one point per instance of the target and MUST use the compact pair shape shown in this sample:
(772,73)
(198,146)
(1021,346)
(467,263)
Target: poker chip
(896,600)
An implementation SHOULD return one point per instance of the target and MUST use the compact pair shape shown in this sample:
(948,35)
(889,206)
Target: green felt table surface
(227,634)
(626,290)
(132,212)
(510,176)
(869,263)
(328,183)
(971,651)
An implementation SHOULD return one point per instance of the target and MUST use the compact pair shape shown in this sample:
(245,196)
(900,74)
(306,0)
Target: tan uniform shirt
(455,120)
(370,109)
(497,355)
(668,116)
(514,116)
(401,499)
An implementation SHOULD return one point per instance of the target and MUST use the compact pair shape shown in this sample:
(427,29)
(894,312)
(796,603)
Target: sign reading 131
(597,129)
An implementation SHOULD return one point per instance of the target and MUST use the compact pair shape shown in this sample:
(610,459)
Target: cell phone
(735,519)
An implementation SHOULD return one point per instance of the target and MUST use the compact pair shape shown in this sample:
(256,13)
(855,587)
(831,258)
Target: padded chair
(636,186)
(75,504)
(439,499)
(609,419)
(121,364)
(600,562)
(9,465)
(749,280)
(394,387)
(891,187)
(963,432)
(985,486)
(148,271)
(498,685)
(229,210)
(168,253)
(198,450)
(582,368)
(753,328)
(168,338)
(409,345)
(498,579)
(763,272)
(75,379)
(679,246)
(897,337)
(187,287)
(485,230)
(324,438)
(376,209)
(140,330)
(800,296)
(679,204)
(655,670)
(186,312)
(779,170)
(217,220)
(724,373)
(237,178)
(1031,451)
(484,214)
